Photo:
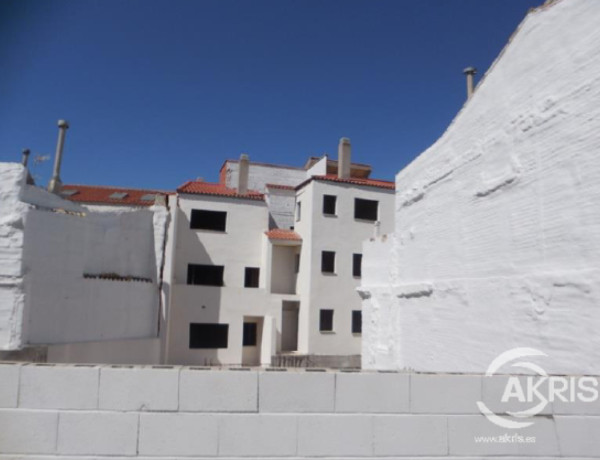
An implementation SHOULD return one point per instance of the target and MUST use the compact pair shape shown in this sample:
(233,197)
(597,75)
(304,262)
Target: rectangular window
(298,211)
(356,322)
(208,220)
(326,320)
(328,262)
(208,335)
(249,337)
(329,205)
(251,277)
(357,265)
(365,209)
(297,263)
(205,275)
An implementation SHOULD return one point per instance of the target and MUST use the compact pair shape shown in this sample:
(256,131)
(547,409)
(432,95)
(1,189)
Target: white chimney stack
(344,158)
(470,72)
(243,170)
(55,183)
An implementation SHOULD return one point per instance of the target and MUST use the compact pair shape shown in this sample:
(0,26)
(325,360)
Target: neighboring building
(266,262)
(76,284)
(497,236)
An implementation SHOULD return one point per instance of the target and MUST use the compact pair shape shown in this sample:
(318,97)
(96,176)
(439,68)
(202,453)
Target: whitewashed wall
(51,244)
(165,412)
(281,205)
(259,175)
(497,224)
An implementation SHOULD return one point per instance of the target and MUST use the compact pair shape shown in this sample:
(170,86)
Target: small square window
(356,322)
(328,262)
(148,197)
(326,320)
(117,195)
(205,275)
(251,277)
(357,265)
(249,335)
(329,202)
(365,209)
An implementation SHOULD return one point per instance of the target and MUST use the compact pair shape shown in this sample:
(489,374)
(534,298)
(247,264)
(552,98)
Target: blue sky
(161,92)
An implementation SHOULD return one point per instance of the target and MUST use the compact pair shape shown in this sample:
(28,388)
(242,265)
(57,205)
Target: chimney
(244,166)
(26,153)
(470,72)
(344,158)
(55,183)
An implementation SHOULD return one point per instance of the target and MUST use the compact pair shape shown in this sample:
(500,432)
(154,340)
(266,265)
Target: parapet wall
(73,411)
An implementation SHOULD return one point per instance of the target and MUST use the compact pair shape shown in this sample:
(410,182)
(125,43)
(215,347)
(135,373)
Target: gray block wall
(70,411)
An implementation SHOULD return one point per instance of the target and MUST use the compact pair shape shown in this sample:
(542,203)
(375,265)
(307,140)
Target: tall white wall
(51,244)
(281,207)
(497,224)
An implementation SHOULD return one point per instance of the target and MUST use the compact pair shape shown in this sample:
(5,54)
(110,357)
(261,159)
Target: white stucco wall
(281,207)
(259,175)
(51,244)
(497,224)
(240,246)
(344,235)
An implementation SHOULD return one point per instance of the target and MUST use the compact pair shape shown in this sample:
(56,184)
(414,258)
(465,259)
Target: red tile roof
(281,187)
(282,234)
(95,194)
(210,188)
(352,180)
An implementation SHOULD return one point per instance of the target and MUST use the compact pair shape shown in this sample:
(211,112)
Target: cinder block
(27,432)
(473,435)
(444,394)
(257,435)
(336,435)
(296,391)
(178,434)
(9,384)
(371,392)
(59,387)
(579,407)
(410,435)
(139,388)
(578,436)
(494,387)
(97,433)
(218,390)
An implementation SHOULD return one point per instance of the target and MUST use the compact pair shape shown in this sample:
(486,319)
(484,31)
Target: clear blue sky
(161,92)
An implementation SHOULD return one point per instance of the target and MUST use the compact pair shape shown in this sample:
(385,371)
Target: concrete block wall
(87,411)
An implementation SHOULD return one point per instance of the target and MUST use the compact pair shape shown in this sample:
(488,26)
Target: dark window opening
(251,277)
(205,275)
(250,334)
(208,220)
(208,335)
(329,205)
(357,265)
(326,321)
(297,263)
(356,322)
(298,211)
(328,262)
(365,209)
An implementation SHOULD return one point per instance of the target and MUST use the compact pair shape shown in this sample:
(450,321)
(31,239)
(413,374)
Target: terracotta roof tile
(210,188)
(282,234)
(352,180)
(281,187)
(102,195)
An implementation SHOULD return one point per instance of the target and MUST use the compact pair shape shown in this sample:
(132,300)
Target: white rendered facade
(266,234)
